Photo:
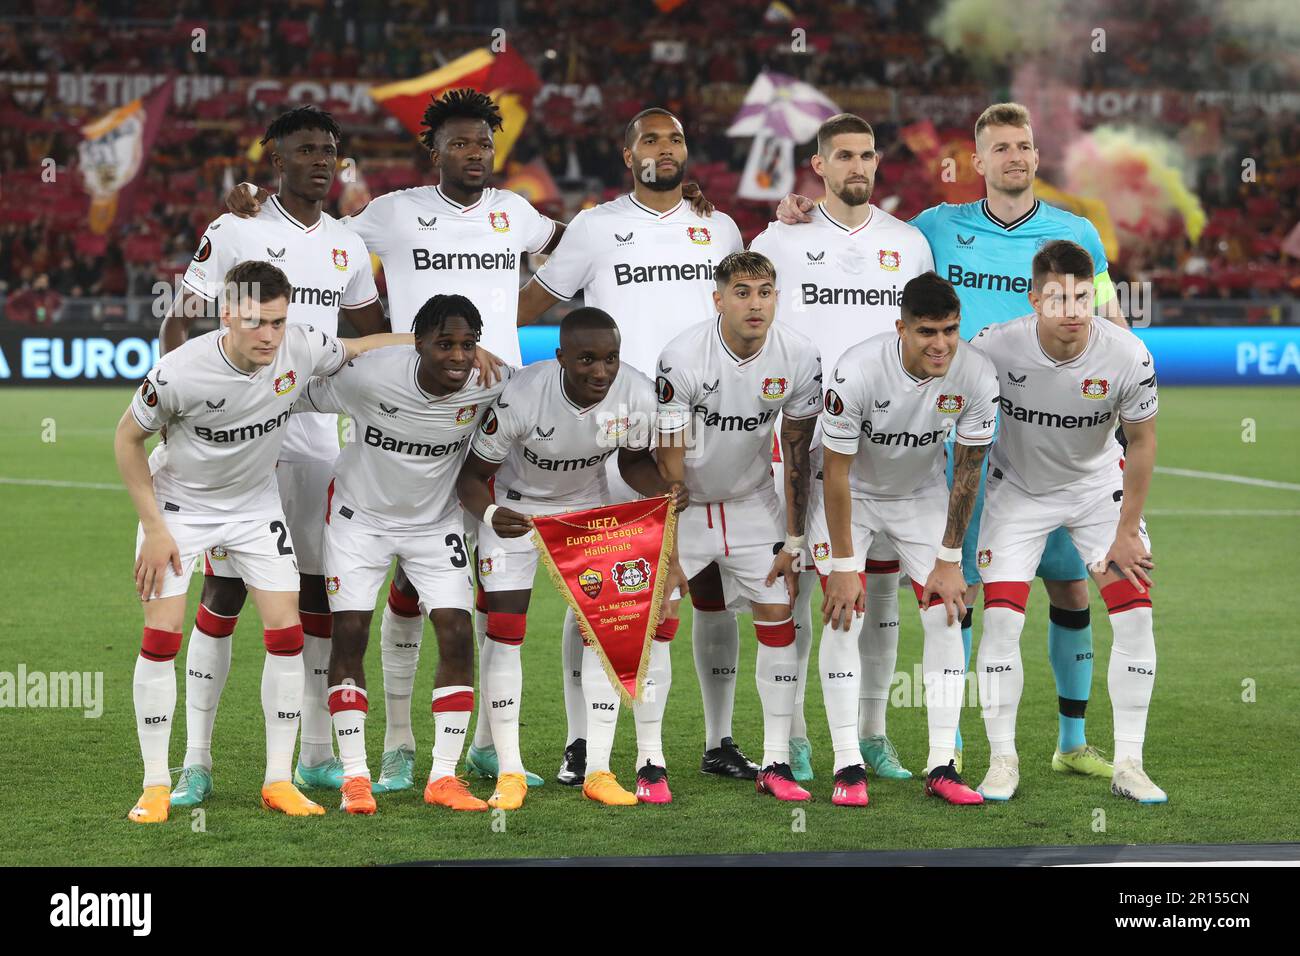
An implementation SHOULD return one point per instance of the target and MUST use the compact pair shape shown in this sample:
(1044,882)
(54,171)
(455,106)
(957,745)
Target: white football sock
(154,688)
(350,729)
(715,644)
(1130,679)
(282,688)
(877,652)
(602,711)
(1001,677)
(451,709)
(838,660)
(575,707)
(803,642)
(207,665)
(943,668)
(482,725)
(399,655)
(776,674)
(649,712)
(503,682)
(317,746)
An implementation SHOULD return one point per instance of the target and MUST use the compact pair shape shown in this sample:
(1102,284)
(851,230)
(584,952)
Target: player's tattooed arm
(534,299)
(796,449)
(475,497)
(159,547)
(965,488)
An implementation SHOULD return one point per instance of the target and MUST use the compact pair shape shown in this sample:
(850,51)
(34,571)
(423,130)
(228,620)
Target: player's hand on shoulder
(245,200)
(795,209)
(490,367)
(695,196)
(156,552)
(844,599)
(511,524)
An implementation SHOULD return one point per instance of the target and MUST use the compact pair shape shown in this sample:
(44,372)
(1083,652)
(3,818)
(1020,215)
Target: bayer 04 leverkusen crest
(610,565)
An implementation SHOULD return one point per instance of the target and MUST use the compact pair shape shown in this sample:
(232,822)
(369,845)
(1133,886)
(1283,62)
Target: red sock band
(882,567)
(480,600)
(667,629)
(775,635)
(506,628)
(283,641)
(401,604)
(920,589)
(462,700)
(349,698)
(704,604)
(1122,596)
(317,625)
(215,625)
(1012,595)
(158,645)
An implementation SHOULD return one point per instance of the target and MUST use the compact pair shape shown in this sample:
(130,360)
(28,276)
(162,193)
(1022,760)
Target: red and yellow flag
(610,565)
(504,76)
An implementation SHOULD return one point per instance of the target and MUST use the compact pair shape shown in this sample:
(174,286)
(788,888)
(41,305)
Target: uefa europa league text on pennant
(610,564)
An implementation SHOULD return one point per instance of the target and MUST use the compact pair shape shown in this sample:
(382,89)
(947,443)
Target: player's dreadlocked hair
(458,104)
(435,313)
(302,117)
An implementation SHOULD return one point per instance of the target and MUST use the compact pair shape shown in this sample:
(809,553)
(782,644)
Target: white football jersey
(430,244)
(330,270)
(652,271)
(225,427)
(731,404)
(840,285)
(551,448)
(1059,419)
(895,424)
(397,474)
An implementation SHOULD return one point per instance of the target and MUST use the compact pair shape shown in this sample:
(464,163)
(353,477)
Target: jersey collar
(226,358)
(740,362)
(573,406)
(1008,226)
(850,230)
(1092,337)
(457,206)
(306,230)
(918,382)
(654,212)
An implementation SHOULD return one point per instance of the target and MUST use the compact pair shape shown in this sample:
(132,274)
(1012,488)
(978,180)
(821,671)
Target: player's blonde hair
(1001,114)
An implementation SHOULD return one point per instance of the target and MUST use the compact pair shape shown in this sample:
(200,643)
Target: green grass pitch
(1223,721)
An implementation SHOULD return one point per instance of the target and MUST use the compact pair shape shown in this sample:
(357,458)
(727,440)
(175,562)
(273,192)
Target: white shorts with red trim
(261,552)
(510,564)
(909,530)
(357,561)
(1016,524)
(742,537)
(304,490)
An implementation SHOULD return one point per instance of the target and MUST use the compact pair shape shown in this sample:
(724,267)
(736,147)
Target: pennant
(610,564)
(114,150)
(504,76)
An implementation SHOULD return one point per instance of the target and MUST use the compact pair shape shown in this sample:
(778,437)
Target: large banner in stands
(1184,356)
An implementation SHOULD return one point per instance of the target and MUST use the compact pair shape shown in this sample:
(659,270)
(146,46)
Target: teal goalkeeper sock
(1069,647)
(965,643)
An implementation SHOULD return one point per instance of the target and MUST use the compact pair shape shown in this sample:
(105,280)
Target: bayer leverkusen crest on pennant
(610,564)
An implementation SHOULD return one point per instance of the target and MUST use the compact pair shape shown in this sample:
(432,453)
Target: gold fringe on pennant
(656,603)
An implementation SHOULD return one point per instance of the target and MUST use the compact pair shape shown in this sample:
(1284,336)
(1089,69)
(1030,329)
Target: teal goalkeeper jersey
(988,261)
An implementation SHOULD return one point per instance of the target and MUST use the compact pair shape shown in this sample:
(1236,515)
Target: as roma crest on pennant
(950,404)
(890,260)
(591,581)
(774,389)
(284,384)
(465,414)
(631,577)
(341,260)
(499,221)
(699,235)
(1095,388)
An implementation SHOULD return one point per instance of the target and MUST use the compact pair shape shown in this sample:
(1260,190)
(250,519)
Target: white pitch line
(1218,513)
(50,483)
(1235,479)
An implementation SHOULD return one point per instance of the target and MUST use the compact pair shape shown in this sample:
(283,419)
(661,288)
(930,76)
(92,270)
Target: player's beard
(1016,189)
(661,184)
(855,194)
